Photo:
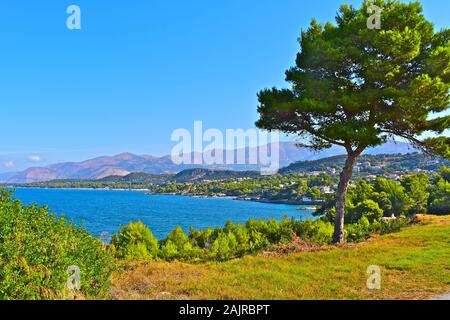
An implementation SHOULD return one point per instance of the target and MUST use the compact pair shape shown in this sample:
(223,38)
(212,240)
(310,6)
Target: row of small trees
(136,241)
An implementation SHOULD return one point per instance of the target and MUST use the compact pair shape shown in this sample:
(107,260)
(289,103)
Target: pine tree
(357,87)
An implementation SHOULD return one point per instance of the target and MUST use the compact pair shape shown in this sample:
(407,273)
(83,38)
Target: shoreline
(286,202)
(251,199)
(80,189)
(148,192)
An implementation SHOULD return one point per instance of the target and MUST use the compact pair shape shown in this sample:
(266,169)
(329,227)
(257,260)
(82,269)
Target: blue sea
(104,212)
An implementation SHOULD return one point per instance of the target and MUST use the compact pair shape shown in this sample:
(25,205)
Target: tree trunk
(341,197)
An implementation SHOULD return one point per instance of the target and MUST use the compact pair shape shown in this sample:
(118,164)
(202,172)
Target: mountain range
(125,163)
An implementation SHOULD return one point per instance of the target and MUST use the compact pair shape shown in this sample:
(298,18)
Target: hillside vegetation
(369,164)
(380,163)
(414,265)
(40,253)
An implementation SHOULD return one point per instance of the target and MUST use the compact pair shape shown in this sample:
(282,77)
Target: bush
(359,231)
(322,232)
(36,250)
(440,206)
(319,231)
(392,226)
(169,251)
(367,208)
(135,241)
(242,239)
(363,229)
(224,247)
(257,238)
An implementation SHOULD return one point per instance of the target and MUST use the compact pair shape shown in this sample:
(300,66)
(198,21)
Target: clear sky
(138,69)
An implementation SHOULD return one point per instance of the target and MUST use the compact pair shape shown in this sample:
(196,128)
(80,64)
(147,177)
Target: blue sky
(137,70)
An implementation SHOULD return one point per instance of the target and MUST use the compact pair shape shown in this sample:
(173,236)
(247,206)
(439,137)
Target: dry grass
(415,264)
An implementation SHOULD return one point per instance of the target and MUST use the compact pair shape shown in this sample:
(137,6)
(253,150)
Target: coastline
(286,202)
(81,189)
(313,204)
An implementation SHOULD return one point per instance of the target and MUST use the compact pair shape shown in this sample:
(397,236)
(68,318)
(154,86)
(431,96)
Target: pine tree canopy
(358,87)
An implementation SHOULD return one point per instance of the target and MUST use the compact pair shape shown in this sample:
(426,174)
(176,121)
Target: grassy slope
(415,264)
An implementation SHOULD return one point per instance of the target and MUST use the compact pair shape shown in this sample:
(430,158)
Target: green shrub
(319,231)
(224,247)
(235,240)
(322,232)
(135,241)
(257,238)
(392,226)
(242,238)
(363,229)
(287,229)
(367,208)
(169,251)
(201,238)
(440,206)
(36,250)
(359,231)
(179,246)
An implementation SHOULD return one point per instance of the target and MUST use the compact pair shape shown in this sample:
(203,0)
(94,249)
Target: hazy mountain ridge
(380,164)
(126,163)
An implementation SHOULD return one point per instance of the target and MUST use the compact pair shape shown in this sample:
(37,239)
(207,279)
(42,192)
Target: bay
(105,211)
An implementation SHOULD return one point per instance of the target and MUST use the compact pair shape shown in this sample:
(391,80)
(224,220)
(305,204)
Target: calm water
(106,211)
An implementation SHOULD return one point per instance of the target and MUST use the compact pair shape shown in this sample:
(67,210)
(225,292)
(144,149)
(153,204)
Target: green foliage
(178,246)
(318,231)
(169,251)
(236,240)
(363,229)
(414,194)
(440,206)
(224,247)
(345,83)
(385,163)
(392,197)
(358,231)
(355,87)
(367,202)
(221,244)
(445,173)
(278,187)
(36,250)
(416,187)
(368,209)
(391,226)
(439,200)
(135,241)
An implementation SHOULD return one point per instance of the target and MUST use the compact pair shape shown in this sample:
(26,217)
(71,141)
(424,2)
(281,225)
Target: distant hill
(377,164)
(387,163)
(196,175)
(126,163)
(139,178)
(143,180)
